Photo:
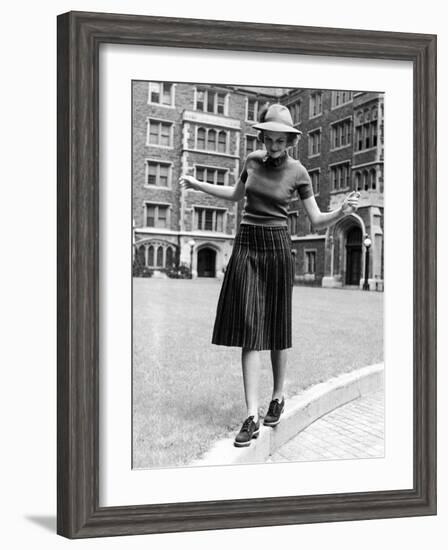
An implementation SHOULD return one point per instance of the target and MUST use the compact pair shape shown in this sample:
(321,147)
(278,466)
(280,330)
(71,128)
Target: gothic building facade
(206,131)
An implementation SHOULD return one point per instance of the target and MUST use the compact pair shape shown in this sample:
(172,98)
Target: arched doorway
(353,248)
(206,262)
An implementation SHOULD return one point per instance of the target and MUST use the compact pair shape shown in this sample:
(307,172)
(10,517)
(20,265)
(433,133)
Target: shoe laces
(247,423)
(274,407)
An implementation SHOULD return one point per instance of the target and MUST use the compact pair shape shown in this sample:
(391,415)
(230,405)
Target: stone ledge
(300,411)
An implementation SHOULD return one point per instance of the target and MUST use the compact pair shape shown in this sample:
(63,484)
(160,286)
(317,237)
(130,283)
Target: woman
(254,308)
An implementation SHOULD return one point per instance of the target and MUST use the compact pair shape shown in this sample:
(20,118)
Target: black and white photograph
(257,274)
(219,337)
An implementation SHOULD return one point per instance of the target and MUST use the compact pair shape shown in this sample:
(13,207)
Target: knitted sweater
(269,187)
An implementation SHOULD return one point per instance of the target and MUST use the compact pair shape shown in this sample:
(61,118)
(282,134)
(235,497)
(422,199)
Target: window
(158,173)
(157,215)
(211,175)
(209,219)
(252,110)
(222,142)
(221,177)
(310,261)
(365,180)
(366,133)
(169,257)
(340,98)
(220,104)
(340,176)
(210,101)
(314,143)
(161,93)
(200,100)
(201,138)
(372,179)
(374,133)
(251,144)
(162,217)
(315,104)
(293,223)
(209,139)
(160,133)
(150,255)
(295,110)
(341,134)
(315,180)
(157,255)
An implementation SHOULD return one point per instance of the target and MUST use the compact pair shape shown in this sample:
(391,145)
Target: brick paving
(355,430)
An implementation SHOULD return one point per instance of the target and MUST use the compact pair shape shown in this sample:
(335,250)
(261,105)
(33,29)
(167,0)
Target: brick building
(206,131)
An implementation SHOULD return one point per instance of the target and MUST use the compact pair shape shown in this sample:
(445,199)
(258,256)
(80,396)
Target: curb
(300,411)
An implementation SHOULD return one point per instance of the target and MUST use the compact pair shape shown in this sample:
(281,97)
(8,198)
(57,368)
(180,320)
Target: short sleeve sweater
(269,187)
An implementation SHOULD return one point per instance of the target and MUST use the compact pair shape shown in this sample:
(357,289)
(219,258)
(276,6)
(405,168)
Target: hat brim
(276,127)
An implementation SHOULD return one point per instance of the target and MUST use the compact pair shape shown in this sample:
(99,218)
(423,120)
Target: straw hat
(277,119)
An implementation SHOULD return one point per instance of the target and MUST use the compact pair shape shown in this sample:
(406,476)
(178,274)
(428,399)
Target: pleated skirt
(254,306)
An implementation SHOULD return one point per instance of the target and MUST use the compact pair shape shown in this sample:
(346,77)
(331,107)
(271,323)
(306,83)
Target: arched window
(211,140)
(358,185)
(169,257)
(365,180)
(201,138)
(150,255)
(160,256)
(222,141)
(373,178)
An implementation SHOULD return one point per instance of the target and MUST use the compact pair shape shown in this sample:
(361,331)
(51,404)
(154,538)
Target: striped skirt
(254,307)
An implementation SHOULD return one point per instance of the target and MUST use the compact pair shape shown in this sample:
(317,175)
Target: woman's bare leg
(278,360)
(250,361)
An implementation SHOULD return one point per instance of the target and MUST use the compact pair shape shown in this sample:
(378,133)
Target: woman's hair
(291,140)
(292,137)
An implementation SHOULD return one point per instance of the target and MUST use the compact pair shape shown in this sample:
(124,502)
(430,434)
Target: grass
(188,393)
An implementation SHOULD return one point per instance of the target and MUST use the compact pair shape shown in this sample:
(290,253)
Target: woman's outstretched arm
(234,193)
(321,220)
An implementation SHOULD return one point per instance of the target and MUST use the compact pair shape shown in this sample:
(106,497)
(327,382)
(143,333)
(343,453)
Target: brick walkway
(355,430)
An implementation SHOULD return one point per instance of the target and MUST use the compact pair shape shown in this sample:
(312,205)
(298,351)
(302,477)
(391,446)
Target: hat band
(276,127)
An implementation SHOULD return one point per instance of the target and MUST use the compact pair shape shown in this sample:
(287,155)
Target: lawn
(188,393)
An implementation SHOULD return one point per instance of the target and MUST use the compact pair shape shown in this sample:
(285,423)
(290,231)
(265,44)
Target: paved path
(355,430)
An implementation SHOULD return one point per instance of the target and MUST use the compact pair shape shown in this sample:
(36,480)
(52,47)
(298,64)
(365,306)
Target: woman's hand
(189,182)
(350,203)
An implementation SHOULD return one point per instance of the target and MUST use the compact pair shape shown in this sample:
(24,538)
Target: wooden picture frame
(79,37)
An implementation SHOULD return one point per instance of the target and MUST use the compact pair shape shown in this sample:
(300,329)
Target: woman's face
(275,143)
